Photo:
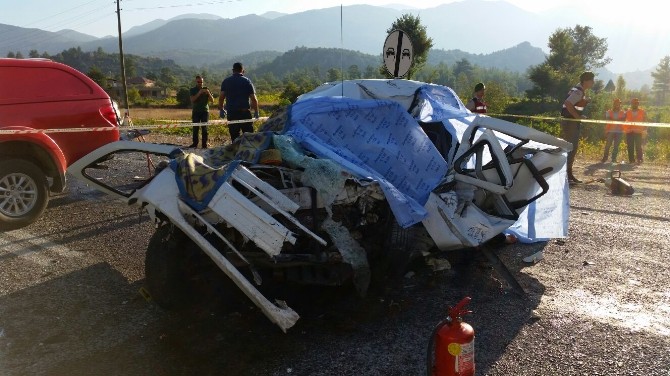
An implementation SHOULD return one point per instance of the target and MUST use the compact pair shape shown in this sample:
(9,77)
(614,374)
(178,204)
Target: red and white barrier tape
(186,124)
(584,121)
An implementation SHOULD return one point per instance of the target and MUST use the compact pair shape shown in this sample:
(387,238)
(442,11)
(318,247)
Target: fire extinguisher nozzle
(459,310)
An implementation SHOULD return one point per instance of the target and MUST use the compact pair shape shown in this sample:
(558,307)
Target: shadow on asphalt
(48,327)
(642,189)
(94,322)
(621,213)
(604,168)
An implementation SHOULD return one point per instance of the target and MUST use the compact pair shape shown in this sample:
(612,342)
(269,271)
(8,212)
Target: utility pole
(123,64)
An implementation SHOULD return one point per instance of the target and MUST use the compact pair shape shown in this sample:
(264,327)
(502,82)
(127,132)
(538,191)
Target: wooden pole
(126,105)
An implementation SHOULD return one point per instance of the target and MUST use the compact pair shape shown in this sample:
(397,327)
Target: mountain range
(483,28)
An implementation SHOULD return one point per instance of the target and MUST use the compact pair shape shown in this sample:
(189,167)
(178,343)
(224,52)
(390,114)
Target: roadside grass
(153,116)
(655,151)
(592,144)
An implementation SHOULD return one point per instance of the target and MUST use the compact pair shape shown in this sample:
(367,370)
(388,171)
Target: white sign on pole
(398,53)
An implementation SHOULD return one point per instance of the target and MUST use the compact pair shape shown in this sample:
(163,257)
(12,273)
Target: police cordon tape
(173,124)
(584,121)
(186,124)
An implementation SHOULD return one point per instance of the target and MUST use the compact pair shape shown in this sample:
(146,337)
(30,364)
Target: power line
(57,14)
(84,23)
(20,37)
(69,11)
(75,18)
(17,38)
(33,37)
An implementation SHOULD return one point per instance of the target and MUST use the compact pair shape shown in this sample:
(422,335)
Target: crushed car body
(345,186)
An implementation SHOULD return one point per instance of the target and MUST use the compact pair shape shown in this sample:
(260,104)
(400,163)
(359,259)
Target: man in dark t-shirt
(240,97)
(200,98)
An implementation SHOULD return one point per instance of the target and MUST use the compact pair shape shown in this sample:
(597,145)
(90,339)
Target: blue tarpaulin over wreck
(374,139)
(317,113)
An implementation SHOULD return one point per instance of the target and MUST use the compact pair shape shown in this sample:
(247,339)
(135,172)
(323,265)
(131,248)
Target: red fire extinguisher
(454,343)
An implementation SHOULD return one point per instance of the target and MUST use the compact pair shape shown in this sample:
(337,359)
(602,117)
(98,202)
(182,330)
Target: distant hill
(364,30)
(272,15)
(634,80)
(155,24)
(185,57)
(321,59)
(480,26)
(192,41)
(638,79)
(514,59)
(145,28)
(108,64)
(251,61)
(23,40)
(75,36)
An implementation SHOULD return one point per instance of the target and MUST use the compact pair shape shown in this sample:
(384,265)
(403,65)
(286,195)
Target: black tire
(400,251)
(399,246)
(24,193)
(168,268)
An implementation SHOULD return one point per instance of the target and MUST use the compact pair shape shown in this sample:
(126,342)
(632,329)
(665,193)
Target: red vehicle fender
(52,158)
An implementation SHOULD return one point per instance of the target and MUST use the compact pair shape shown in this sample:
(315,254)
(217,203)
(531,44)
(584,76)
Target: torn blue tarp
(375,139)
(439,103)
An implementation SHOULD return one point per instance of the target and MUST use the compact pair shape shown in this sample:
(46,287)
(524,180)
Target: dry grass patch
(142,115)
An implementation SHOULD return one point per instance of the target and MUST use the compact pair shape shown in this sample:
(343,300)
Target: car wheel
(399,253)
(168,268)
(23,193)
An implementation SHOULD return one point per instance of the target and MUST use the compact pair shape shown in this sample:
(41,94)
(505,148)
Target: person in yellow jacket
(613,132)
(635,133)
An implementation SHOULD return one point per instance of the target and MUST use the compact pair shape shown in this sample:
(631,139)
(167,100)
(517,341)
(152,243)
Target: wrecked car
(349,184)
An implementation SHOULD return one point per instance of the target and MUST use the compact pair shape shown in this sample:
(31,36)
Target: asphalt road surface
(598,303)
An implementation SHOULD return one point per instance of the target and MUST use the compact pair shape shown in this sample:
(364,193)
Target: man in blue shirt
(240,96)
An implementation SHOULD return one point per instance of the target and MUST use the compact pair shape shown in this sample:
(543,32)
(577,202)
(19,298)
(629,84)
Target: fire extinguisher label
(465,361)
(454,349)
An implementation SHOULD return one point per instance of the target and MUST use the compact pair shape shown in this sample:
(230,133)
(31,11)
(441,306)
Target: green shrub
(658,151)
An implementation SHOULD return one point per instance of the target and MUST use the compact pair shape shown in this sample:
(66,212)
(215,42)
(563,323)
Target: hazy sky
(98,17)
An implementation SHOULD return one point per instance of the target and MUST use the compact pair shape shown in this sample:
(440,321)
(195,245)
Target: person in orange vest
(635,133)
(613,132)
(477,104)
(571,111)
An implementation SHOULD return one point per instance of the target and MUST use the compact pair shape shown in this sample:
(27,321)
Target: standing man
(200,98)
(573,106)
(238,91)
(613,132)
(477,104)
(634,133)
